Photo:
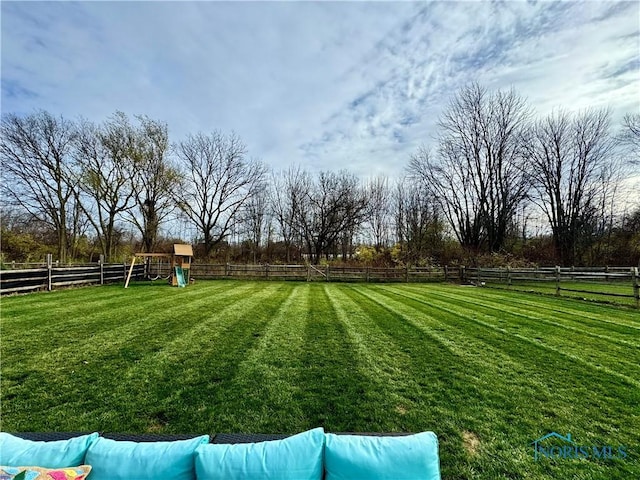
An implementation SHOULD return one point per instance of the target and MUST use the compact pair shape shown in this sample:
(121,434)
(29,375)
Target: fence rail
(612,284)
(325,273)
(51,277)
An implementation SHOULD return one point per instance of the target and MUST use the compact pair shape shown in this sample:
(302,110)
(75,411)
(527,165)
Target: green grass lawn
(488,370)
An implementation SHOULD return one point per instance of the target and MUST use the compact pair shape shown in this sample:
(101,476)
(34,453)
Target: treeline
(500,185)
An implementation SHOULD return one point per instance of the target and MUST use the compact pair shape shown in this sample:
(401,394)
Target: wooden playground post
(133,263)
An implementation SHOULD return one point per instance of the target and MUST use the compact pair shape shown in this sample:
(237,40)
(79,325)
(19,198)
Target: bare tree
(326,209)
(451,185)
(571,164)
(219,180)
(35,151)
(255,216)
(286,193)
(104,156)
(378,210)
(419,227)
(630,136)
(478,178)
(154,180)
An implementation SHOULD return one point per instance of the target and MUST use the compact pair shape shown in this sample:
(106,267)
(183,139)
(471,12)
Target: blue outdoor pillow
(123,460)
(295,458)
(358,457)
(16,452)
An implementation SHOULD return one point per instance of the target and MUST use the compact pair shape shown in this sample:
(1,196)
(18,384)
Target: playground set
(179,261)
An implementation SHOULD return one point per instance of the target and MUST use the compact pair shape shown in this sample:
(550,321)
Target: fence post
(636,286)
(226,269)
(462,274)
(446,273)
(49,270)
(508,276)
(406,274)
(478,276)
(308,272)
(266,270)
(557,280)
(326,277)
(101,263)
(367,274)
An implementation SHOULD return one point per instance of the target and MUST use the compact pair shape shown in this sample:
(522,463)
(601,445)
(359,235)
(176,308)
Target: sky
(323,85)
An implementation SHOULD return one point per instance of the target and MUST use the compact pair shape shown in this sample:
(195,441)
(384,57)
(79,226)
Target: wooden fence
(50,275)
(325,273)
(611,284)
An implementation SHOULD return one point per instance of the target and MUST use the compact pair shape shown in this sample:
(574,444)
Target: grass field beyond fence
(488,370)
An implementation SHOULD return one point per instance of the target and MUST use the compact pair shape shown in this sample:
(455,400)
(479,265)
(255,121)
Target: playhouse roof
(182,249)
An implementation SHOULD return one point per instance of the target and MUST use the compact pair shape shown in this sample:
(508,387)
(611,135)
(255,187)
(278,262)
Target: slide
(180,277)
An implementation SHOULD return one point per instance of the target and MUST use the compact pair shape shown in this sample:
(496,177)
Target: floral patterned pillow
(37,473)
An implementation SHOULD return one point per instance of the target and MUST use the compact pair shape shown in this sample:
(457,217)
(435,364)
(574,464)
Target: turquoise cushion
(17,452)
(296,458)
(356,457)
(121,460)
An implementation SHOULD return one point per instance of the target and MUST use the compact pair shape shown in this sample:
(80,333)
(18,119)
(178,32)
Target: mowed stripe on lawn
(334,385)
(610,319)
(108,309)
(98,366)
(570,388)
(462,390)
(503,388)
(504,341)
(185,380)
(610,353)
(262,395)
